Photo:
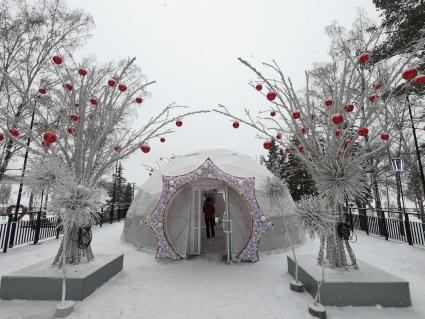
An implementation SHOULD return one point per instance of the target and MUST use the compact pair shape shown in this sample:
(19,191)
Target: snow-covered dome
(227,167)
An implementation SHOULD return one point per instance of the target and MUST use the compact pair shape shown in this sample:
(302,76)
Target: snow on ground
(206,288)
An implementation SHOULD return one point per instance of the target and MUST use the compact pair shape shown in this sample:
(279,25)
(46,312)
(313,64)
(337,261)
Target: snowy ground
(201,288)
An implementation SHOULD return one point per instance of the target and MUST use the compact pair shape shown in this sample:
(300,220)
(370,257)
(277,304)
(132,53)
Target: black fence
(31,227)
(406,226)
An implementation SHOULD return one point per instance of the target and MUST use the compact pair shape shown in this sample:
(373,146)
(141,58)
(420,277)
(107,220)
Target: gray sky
(191,47)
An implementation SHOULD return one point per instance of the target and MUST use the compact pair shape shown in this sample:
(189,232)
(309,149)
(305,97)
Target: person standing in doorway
(209,211)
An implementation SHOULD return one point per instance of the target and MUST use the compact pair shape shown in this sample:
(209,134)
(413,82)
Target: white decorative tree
(337,120)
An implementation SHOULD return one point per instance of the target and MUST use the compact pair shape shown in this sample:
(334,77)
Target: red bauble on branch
(139,100)
(301,148)
(363,131)
(57,59)
(349,108)
(267,144)
(303,130)
(68,86)
(363,58)
(117,149)
(42,91)
(145,148)
(376,85)
(179,123)
(337,133)
(122,87)
(271,95)
(1,137)
(74,117)
(71,130)
(288,150)
(328,102)
(273,113)
(385,136)
(112,82)
(337,119)
(49,137)
(278,136)
(420,79)
(409,74)
(372,98)
(82,72)
(296,114)
(93,101)
(235,124)
(14,132)
(162,139)
(258,87)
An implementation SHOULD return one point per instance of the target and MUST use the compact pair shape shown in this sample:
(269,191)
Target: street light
(397,165)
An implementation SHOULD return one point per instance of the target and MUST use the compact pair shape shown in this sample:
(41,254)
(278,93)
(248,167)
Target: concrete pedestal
(368,286)
(43,281)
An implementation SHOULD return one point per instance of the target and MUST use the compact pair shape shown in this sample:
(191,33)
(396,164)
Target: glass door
(227,228)
(196,222)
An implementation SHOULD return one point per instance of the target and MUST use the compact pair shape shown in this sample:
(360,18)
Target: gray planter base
(317,311)
(43,281)
(296,286)
(368,286)
(63,310)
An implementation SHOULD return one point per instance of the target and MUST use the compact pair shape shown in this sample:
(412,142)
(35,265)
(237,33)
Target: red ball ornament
(258,87)
(57,59)
(117,149)
(267,144)
(49,137)
(74,117)
(77,105)
(296,114)
(328,102)
(376,85)
(162,139)
(1,137)
(145,148)
(385,136)
(68,86)
(271,95)
(112,82)
(235,124)
(303,130)
(363,58)
(14,132)
(372,98)
(349,108)
(409,74)
(179,123)
(273,113)
(139,100)
(42,91)
(288,150)
(338,133)
(420,79)
(363,131)
(301,148)
(278,136)
(82,72)
(93,101)
(122,87)
(71,130)
(337,119)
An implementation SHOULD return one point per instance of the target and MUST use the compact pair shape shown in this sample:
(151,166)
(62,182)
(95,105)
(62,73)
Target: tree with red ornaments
(343,112)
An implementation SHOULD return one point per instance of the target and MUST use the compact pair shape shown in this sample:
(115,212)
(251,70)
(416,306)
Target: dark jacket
(209,210)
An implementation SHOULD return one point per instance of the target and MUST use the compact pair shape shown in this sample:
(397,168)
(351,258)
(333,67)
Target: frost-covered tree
(337,120)
(82,122)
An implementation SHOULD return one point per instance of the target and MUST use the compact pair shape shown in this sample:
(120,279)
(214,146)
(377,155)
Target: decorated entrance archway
(208,170)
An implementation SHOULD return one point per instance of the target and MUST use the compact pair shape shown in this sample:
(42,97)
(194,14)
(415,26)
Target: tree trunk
(74,252)
(400,209)
(381,215)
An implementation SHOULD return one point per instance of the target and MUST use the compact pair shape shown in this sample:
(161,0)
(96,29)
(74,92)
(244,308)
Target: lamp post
(397,165)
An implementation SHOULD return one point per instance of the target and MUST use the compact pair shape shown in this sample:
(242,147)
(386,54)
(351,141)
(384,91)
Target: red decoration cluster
(82,72)
(117,149)
(328,102)
(303,130)
(420,79)
(363,131)
(71,130)
(139,100)
(409,73)
(162,139)
(271,96)
(235,124)
(68,86)
(258,87)
(349,108)
(145,148)
(267,144)
(273,113)
(14,132)
(376,85)
(337,119)
(1,137)
(385,136)
(42,91)
(49,137)
(363,58)
(179,123)
(296,114)
(57,59)
(372,98)
(288,150)
(122,87)
(93,101)
(338,133)
(112,82)
(278,136)
(301,148)
(74,117)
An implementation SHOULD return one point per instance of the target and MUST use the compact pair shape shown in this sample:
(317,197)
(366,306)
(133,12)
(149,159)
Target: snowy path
(202,288)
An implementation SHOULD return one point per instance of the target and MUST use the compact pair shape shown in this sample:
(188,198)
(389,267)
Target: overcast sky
(191,47)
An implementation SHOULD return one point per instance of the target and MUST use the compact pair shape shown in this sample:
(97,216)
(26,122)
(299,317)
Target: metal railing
(406,226)
(16,229)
